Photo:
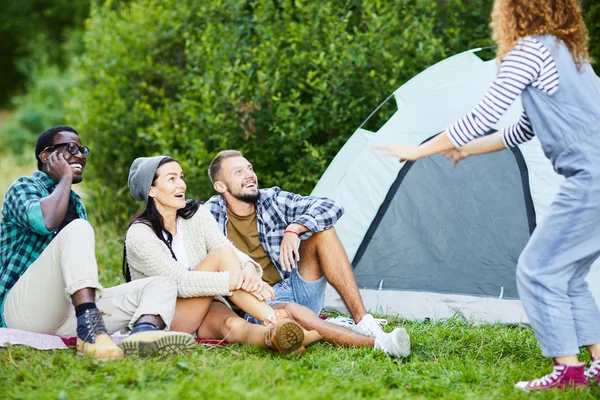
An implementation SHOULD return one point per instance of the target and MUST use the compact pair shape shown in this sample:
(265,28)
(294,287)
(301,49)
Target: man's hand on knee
(288,252)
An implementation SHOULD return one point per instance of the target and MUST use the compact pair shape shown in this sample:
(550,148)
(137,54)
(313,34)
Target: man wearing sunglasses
(48,270)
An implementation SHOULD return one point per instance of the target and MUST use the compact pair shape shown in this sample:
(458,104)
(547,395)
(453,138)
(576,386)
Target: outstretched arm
(486,144)
(529,63)
(511,136)
(439,144)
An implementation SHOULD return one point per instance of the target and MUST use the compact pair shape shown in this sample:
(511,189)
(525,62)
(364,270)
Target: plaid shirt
(276,210)
(23,234)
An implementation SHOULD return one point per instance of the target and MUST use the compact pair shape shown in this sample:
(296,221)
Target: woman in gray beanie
(180,239)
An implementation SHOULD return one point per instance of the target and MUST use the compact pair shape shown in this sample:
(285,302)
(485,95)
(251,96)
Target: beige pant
(40,301)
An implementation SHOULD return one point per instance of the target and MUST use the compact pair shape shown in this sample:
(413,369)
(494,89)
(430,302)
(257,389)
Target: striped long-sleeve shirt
(528,63)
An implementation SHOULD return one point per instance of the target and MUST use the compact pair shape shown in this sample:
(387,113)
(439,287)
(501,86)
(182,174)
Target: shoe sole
(164,346)
(288,337)
(402,341)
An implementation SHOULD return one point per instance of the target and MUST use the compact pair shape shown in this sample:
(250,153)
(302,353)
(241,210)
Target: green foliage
(37,110)
(286,82)
(35,33)
(591,14)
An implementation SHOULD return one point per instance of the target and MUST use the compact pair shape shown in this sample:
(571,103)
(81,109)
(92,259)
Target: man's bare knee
(328,234)
(319,241)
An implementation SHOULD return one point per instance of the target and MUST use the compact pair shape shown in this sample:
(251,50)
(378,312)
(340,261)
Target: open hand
(403,152)
(288,252)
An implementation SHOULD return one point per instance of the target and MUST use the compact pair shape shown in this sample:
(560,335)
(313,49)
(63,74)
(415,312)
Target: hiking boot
(368,326)
(93,339)
(396,343)
(284,335)
(152,343)
(563,376)
(310,337)
(593,372)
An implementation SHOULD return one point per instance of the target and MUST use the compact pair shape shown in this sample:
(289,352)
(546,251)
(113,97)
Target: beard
(246,197)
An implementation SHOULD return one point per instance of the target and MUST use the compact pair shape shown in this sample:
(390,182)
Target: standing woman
(180,239)
(544,58)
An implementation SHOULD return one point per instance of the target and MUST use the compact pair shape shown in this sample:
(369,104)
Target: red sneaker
(593,372)
(563,376)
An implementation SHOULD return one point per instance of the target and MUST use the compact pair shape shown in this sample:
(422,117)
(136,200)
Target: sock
(83,307)
(271,318)
(144,327)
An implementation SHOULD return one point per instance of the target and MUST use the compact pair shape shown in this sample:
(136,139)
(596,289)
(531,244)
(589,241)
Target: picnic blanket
(42,341)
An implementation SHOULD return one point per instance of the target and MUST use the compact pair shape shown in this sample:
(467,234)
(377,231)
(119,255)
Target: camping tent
(427,240)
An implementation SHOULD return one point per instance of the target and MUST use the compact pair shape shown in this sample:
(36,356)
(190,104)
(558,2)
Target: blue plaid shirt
(276,210)
(23,233)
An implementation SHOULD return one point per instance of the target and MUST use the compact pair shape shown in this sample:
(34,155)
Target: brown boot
(285,336)
(310,337)
(103,348)
(93,339)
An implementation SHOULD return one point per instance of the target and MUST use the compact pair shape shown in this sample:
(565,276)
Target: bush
(286,82)
(38,109)
(34,33)
(591,13)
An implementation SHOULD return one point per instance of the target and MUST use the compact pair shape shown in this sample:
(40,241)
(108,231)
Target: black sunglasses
(72,148)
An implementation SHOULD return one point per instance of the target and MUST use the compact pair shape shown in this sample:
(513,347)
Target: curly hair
(515,19)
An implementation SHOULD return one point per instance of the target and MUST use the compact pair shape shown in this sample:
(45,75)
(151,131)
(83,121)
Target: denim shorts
(294,289)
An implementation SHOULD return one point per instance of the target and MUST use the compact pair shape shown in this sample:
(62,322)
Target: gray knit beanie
(141,176)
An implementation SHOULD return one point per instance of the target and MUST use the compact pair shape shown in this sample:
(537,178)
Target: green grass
(10,170)
(451,359)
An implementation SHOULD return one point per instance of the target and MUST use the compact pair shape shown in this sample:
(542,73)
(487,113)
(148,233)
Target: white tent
(427,240)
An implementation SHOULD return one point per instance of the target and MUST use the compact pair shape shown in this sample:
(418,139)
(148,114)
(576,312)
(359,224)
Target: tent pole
(377,109)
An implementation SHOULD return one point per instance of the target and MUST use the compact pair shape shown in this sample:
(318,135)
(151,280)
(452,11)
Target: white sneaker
(396,343)
(342,321)
(369,326)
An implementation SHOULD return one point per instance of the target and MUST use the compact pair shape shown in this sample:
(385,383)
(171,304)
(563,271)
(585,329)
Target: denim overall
(552,268)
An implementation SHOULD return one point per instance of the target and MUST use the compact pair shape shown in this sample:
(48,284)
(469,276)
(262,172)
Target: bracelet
(291,231)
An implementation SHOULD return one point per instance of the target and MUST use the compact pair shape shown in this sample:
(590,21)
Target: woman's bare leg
(222,323)
(190,313)
(224,259)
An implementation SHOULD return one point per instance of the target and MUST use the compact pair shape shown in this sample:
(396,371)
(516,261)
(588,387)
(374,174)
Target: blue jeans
(294,289)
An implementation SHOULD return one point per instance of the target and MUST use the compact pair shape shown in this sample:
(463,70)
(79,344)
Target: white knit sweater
(148,256)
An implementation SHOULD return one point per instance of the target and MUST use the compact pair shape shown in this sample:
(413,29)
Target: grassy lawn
(451,359)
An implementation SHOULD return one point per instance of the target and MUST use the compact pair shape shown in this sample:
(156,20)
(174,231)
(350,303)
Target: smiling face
(168,189)
(237,178)
(77,161)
